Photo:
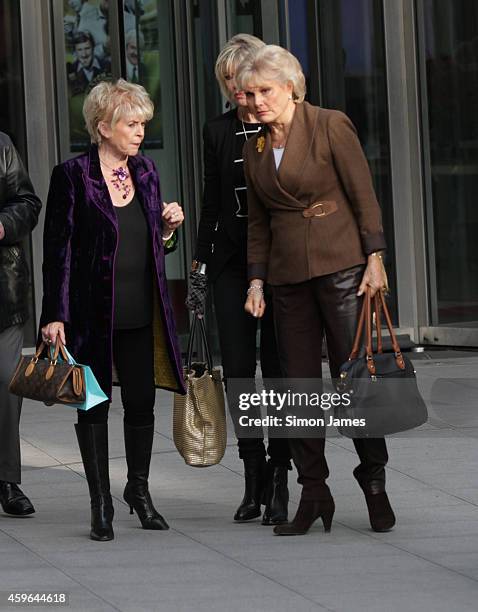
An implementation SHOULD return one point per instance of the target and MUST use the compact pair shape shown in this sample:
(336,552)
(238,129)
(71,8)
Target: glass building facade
(405,71)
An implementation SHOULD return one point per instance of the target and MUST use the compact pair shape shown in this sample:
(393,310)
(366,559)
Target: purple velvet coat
(80,242)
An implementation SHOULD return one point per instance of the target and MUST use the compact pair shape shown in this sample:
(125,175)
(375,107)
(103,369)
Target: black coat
(219,225)
(19,210)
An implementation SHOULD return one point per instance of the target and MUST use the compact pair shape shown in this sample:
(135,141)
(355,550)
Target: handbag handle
(53,357)
(205,343)
(366,317)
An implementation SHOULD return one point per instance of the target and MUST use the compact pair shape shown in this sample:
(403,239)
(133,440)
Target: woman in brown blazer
(315,235)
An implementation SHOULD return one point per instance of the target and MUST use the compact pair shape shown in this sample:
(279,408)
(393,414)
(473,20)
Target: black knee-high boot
(93,443)
(138,443)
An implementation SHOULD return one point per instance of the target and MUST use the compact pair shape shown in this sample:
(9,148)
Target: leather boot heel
(138,444)
(276,496)
(138,498)
(327,517)
(254,477)
(307,513)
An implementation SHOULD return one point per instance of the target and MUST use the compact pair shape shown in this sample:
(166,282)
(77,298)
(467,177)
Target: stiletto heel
(138,445)
(307,513)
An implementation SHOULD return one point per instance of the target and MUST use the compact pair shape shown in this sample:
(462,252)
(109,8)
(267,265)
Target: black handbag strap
(379,305)
(192,335)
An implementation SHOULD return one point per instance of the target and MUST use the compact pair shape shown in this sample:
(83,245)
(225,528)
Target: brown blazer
(318,213)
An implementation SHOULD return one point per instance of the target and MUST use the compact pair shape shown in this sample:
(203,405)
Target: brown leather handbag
(49,379)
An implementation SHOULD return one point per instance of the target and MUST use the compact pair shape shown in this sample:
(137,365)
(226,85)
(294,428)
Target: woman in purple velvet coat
(105,291)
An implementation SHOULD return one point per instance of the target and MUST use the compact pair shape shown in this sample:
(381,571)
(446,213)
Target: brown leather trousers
(303,313)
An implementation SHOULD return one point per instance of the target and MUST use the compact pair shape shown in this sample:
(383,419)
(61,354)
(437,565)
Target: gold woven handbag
(199,417)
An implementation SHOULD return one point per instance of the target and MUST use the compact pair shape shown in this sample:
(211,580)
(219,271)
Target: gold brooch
(260,144)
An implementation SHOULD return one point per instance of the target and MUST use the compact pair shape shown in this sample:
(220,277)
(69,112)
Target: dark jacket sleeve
(211,201)
(354,173)
(19,213)
(258,230)
(172,244)
(58,231)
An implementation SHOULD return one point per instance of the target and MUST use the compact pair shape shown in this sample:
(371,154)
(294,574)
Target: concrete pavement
(208,563)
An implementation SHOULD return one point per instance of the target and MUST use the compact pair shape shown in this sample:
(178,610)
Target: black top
(222,232)
(133,289)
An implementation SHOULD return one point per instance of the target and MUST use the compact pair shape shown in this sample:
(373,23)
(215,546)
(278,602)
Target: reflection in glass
(353,77)
(150,60)
(88,58)
(451,56)
(142,55)
(244,16)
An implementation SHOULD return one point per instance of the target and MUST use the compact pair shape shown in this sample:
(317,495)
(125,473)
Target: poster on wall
(88,59)
(142,57)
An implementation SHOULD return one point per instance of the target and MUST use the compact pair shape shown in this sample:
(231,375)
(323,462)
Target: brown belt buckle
(322,211)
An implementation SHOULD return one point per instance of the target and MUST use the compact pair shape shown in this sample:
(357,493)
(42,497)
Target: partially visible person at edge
(222,247)
(105,290)
(315,234)
(19,210)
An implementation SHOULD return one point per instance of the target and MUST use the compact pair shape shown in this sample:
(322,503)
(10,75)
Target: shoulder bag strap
(396,348)
(192,335)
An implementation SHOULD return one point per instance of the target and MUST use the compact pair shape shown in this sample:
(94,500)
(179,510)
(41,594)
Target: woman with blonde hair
(104,288)
(221,251)
(316,236)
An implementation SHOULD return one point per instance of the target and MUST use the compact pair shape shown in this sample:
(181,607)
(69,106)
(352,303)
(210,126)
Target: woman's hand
(374,276)
(255,304)
(52,330)
(173,216)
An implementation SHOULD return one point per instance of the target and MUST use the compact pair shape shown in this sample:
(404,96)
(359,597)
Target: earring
(290,97)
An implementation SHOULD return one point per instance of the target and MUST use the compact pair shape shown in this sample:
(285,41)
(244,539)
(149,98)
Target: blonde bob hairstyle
(232,54)
(111,102)
(272,63)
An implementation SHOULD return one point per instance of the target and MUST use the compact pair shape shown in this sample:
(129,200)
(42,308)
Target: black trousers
(133,356)
(237,338)
(11,342)
(303,314)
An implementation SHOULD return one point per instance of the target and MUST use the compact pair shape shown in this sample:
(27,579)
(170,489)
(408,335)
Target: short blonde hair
(232,54)
(111,102)
(272,63)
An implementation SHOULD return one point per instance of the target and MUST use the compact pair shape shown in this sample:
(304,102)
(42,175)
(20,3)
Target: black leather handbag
(382,392)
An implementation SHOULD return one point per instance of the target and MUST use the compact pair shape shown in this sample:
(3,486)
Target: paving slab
(205,562)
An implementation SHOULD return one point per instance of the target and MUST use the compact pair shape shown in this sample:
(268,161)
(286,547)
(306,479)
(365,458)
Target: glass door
(148,58)
(352,73)
(449,70)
